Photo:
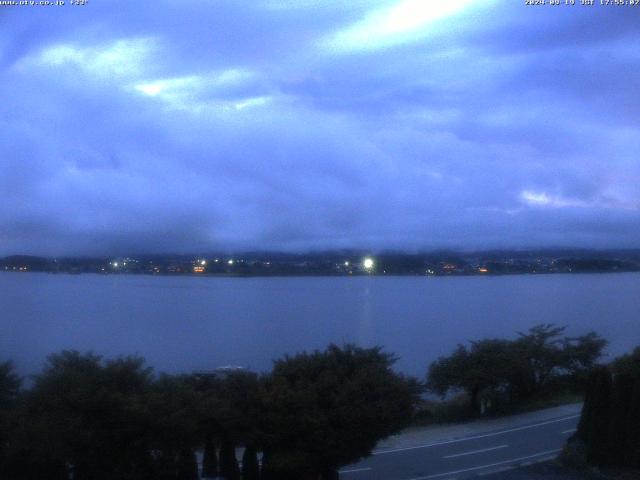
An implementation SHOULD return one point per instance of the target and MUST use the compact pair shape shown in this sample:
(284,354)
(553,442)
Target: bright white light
(404,21)
(535,198)
(346,264)
(115,264)
(543,199)
(230,262)
(203,262)
(368,263)
(151,89)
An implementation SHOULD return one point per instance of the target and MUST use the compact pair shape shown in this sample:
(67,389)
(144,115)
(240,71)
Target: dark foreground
(481,452)
(554,471)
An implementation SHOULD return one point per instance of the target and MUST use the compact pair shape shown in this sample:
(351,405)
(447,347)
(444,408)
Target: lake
(180,324)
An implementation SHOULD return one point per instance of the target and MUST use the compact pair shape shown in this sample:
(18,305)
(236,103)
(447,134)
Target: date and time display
(43,3)
(585,3)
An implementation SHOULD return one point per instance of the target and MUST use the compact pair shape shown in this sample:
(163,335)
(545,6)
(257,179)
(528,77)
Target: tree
(173,405)
(489,365)
(627,410)
(187,465)
(580,355)
(632,452)
(593,428)
(266,469)
(250,468)
(516,369)
(541,350)
(88,413)
(229,469)
(610,422)
(619,429)
(9,389)
(230,414)
(209,458)
(330,408)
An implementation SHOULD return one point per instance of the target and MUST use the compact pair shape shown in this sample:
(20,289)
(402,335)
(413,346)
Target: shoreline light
(368,263)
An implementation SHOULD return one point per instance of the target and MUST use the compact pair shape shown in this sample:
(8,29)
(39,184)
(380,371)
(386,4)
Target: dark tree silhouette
(9,389)
(516,369)
(328,409)
(609,427)
(187,465)
(209,458)
(593,428)
(250,468)
(229,469)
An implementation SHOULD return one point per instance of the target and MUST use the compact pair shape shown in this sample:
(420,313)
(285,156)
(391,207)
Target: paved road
(480,453)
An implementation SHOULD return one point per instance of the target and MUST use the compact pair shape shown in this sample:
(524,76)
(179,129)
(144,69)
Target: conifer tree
(632,454)
(619,427)
(250,468)
(209,459)
(187,465)
(593,428)
(266,470)
(229,469)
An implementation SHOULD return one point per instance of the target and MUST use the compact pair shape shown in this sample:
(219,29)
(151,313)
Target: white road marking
(436,475)
(571,430)
(354,470)
(497,470)
(475,437)
(476,451)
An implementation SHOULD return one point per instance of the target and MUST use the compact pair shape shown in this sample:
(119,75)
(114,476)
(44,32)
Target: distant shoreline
(338,264)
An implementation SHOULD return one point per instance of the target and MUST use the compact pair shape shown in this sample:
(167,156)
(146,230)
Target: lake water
(180,324)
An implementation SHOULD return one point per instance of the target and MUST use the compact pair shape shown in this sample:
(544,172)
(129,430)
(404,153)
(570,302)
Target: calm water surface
(187,323)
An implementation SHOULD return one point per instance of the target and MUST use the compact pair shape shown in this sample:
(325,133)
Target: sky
(300,125)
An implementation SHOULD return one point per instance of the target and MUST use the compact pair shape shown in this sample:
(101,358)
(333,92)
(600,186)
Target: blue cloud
(295,125)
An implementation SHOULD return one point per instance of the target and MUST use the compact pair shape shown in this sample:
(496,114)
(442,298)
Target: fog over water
(180,324)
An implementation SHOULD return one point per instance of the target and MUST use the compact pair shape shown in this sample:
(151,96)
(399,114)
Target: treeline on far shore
(86,417)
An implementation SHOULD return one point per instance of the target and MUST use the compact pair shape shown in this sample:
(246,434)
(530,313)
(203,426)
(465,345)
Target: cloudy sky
(298,124)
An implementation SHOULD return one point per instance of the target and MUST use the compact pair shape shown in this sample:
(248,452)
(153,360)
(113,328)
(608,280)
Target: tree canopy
(330,408)
(516,368)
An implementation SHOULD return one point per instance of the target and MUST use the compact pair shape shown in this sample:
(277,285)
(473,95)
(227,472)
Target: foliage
(187,465)
(88,413)
(610,422)
(209,458)
(250,467)
(97,419)
(593,428)
(9,389)
(328,409)
(9,386)
(513,370)
(229,469)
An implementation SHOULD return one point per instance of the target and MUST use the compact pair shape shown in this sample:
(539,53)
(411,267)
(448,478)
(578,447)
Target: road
(479,453)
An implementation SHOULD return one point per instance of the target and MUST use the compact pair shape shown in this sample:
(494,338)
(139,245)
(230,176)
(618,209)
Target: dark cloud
(292,125)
